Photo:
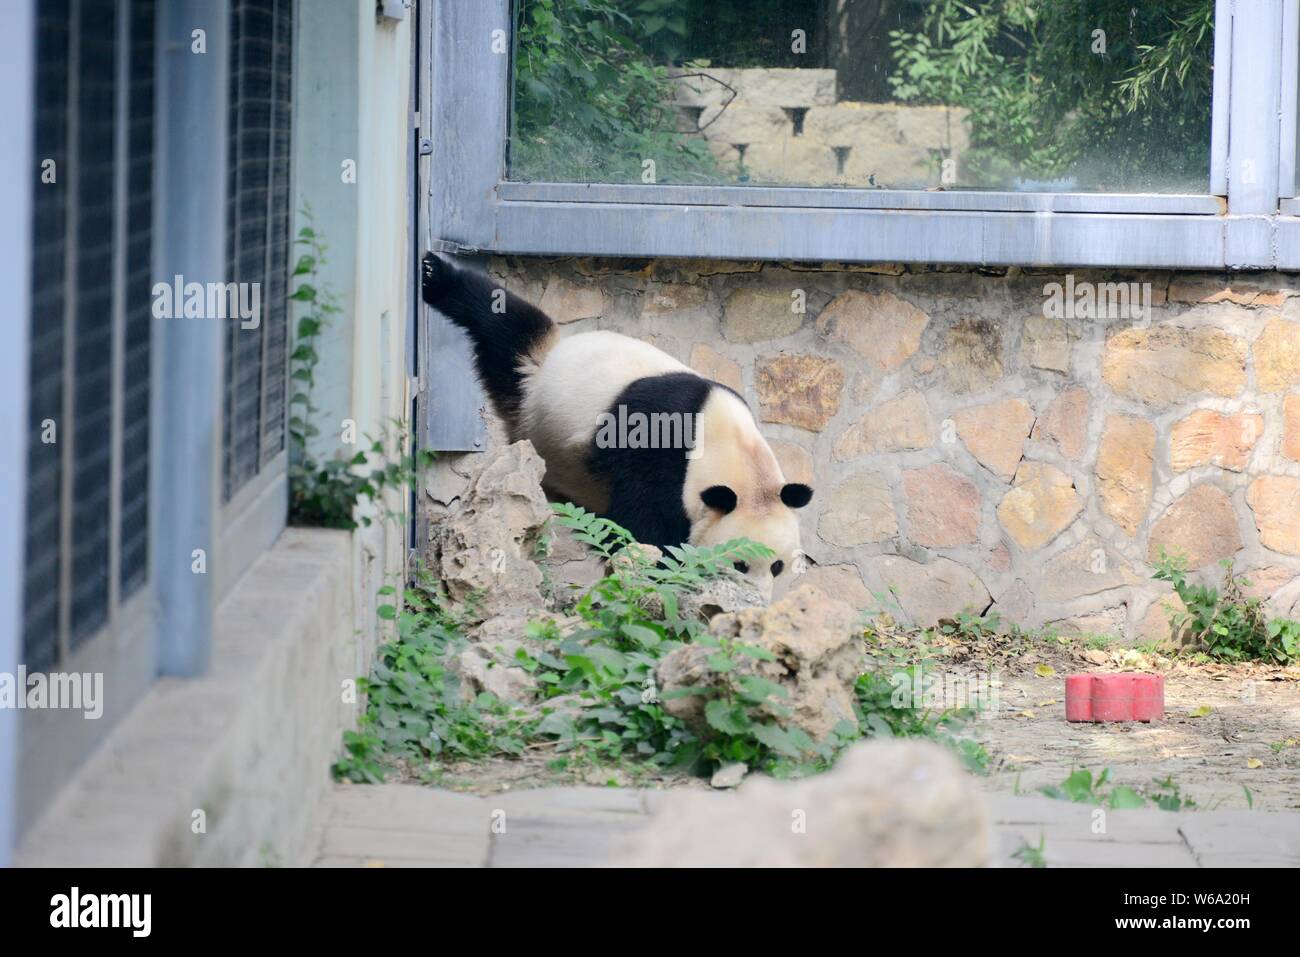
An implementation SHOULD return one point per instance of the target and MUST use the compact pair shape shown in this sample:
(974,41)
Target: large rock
(1042,504)
(971,359)
(1202,526)
(1065,422)
(995,433)
(712,364)
(880,327)
(1291,426)
(747,124)
(1206,437)
(490,661)
(755,87)
(842,581)
(789,159)
(670,298)
(1275,500)
(943,507)
(719,596)
(897,425)
(484,553)
(801,390)
(926,594)
(796,462)
(852,124)
(1157,624)
(1126,469)
(1086,569)
(817,644)
(566,301)
(1046,344)
(1277,356)
(1163,365)
(859,511)
(570,566)
(753,315)
(887,803)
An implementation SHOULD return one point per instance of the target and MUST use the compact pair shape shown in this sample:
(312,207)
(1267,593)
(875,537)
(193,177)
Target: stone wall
(968,451)
(789,126)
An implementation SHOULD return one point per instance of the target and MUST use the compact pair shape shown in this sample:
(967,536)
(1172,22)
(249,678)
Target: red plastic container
(1127,696)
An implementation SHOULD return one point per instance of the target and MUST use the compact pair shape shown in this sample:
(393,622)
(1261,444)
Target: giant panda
(561,392)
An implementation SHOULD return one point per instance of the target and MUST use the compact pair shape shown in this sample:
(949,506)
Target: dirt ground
(1230,736)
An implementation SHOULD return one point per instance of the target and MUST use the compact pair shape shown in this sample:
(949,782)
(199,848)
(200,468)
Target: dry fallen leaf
(1044,671)
(1097,656)
(1026,714)
(1047,704)
(1254,763)
(1200,712)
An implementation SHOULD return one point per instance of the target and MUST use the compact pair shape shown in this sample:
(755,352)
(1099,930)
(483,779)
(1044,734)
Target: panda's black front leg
(653,514)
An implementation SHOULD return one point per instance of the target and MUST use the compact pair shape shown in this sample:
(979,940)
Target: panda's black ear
(719,497)
(796,495)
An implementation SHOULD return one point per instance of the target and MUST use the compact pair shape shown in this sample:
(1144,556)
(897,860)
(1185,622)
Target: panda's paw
(434,273)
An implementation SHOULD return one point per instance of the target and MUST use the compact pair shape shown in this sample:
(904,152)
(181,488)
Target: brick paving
(401,825)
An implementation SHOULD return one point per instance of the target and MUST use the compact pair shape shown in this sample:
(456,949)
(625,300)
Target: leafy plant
(1230,624)
(590,105)
(1064,88)
(632,618)
(1031,856)
(1081,788)
(600,702)
(325,491)
(416,712)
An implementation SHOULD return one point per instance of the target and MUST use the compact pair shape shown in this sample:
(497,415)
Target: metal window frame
(257,512)
(1236,224)
(52,742)
(17,113)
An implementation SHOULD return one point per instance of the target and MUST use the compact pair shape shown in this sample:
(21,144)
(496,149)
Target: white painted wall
(353,105)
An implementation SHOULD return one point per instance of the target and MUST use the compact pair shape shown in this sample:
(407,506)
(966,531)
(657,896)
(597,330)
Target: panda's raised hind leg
(507,332)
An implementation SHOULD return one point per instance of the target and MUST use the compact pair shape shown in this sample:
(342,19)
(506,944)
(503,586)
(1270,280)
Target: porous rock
(484,553)
(818,652)
(490,660)
(887,803)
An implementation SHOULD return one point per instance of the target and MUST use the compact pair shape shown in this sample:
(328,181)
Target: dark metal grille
(139,226)
(49,233)
(257,237)
(84,120)
(95,172)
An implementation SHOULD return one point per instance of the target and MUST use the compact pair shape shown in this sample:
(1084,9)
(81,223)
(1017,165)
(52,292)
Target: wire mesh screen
(45,416)
(257,237)
(94,169)
(139,240)
(84,334)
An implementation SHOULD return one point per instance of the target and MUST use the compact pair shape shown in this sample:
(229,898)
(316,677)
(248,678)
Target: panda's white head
(766,516)
(735,489)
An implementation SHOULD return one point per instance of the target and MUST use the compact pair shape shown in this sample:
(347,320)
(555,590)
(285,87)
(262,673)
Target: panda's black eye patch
(719,497)
(742,567)
(778,567)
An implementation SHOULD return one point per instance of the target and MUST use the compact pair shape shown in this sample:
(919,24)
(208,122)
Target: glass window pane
(1032,95)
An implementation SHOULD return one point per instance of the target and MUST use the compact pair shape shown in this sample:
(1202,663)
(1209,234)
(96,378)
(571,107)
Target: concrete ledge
(249,745)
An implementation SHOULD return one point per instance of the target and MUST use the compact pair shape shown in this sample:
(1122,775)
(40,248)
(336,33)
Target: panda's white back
(579,374)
